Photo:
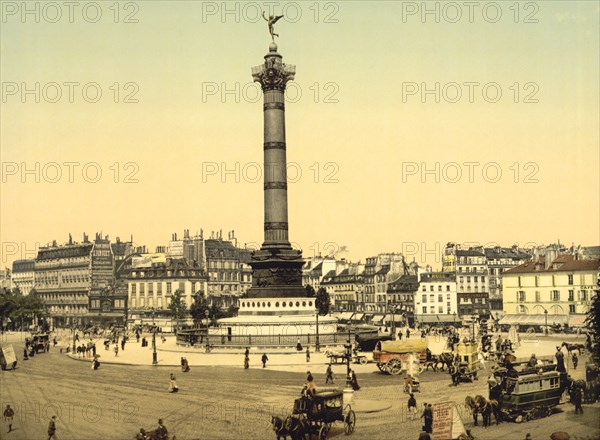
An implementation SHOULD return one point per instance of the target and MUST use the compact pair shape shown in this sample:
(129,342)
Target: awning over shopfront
(577,320)
(377,318)
(344,315)
(432,319)
(538,319)
(357,316)
(395,318)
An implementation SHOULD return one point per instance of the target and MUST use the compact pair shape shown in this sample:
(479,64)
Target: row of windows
(259,304)
(472,269)
(440,298)
(554,296)
(141,302)
(469,279)
(440,310)
(432,288)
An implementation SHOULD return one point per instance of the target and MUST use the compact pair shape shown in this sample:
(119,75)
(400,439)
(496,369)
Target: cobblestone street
(229,402)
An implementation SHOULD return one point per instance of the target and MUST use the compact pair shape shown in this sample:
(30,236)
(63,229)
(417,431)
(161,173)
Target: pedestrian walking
(94,350)
(123,343)
(173,387)
(400,334)
(412,405)
(329,375)
(246,361)
(54,341)
(52,429)
(8,415)
(407,333)
(427,417)
(577,400)
(161,432)
(575,360)
(298,345)
(354,381)
(307,354)
(560,361)
(264,360)
(116,350)
(95,362)
(25,357)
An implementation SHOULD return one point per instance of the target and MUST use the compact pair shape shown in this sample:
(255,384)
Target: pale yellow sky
(352,119)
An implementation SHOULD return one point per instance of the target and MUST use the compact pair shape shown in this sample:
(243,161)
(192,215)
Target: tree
(593,324)
(215,312)
(199,307)
(177,306)
(310,291)
(323,302)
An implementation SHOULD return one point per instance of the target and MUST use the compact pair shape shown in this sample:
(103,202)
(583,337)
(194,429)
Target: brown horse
(278,426)
(573,347)
(480,405)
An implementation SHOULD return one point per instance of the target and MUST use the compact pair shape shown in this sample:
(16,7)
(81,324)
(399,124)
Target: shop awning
(538,319)
(358,316)
(396,318)
(577,320)
(377,318)
(345,315)
(432,319)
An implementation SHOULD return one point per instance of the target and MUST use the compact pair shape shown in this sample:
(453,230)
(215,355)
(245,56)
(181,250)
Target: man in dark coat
(577,400)
(52,428)
(560,360)
(427,416)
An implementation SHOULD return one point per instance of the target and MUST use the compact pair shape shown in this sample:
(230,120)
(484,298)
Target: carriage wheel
(394,366)
(349,422)
(363,360)
(530,330)
(381,367)
(323,432)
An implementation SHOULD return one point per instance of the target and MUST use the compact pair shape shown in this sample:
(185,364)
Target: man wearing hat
(560,361)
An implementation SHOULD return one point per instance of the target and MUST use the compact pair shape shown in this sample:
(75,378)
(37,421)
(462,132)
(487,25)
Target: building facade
(150,290)
(561,286)
(23,275)
(500,259)
(401,298)
(437,294)
(472,283)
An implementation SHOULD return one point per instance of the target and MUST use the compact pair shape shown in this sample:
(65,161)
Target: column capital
(273,74)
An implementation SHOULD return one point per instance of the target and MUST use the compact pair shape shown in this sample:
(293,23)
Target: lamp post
(207,313)
(74,347)
(317,342)
(394,322)
(154,356)
(348,347)
(546,318)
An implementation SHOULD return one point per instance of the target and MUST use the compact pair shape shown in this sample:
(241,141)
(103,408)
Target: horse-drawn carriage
(527,393)
(40,342)
(314,415)
(323,409)
(465,370)
(392,357)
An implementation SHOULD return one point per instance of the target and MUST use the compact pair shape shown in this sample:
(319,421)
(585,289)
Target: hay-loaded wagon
(392,357)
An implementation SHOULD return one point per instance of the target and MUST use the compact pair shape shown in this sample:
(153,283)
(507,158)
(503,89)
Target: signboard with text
(442,420)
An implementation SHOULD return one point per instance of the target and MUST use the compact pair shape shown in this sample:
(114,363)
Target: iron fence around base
(199,338)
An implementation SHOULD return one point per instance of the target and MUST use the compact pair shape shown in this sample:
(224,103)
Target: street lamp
(317,342)
(394,322)
(154,356)
(546,318)
(348,347)
(207,313)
